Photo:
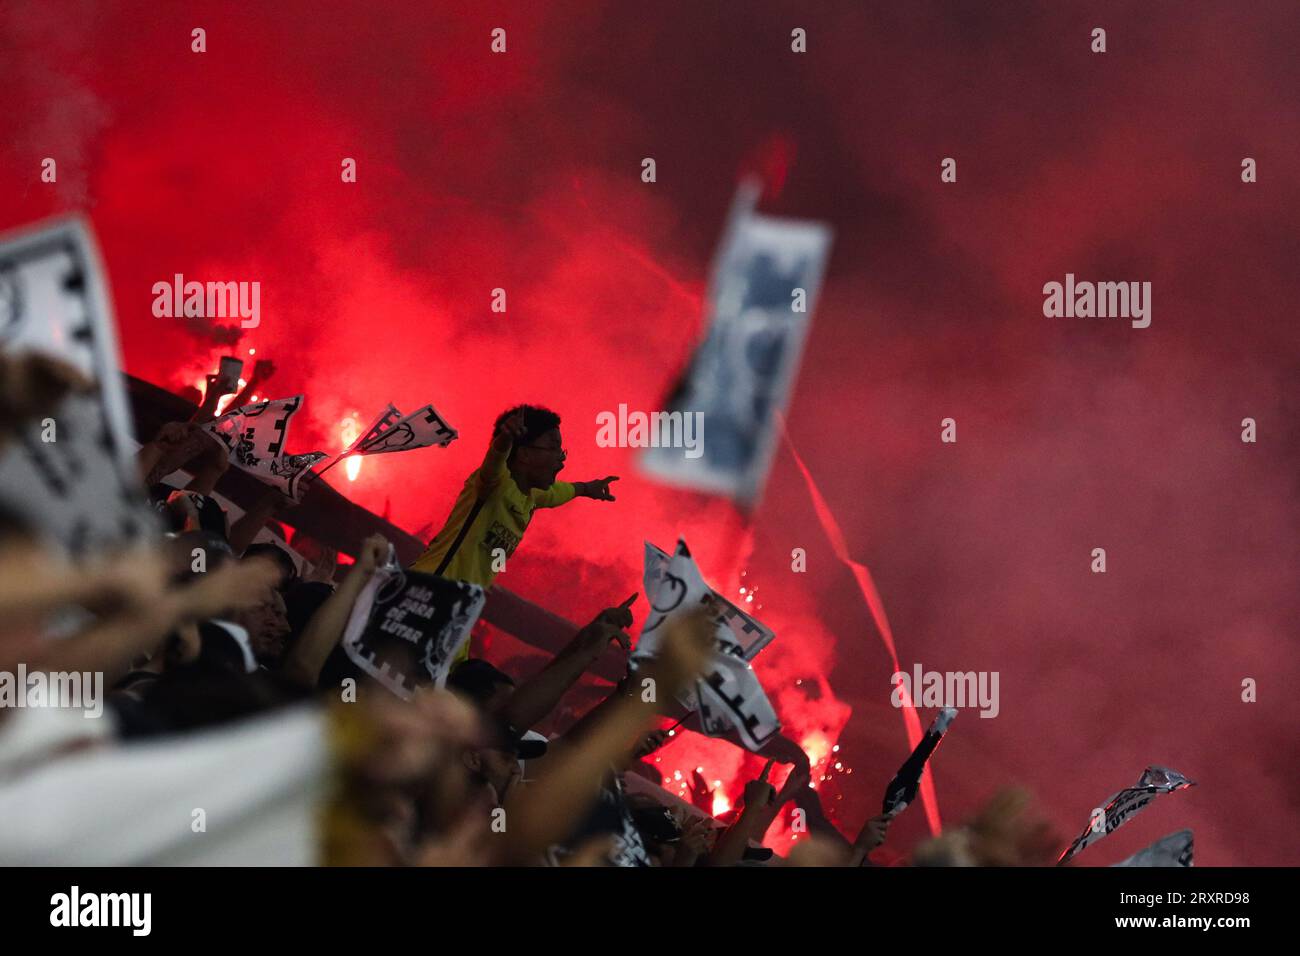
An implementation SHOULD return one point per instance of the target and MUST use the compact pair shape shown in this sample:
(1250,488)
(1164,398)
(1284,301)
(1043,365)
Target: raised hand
(373,554)
(759,793)
(510,430)
(599,488)
(873,833)
(608,626)
(685,652)
(701,792)
(218,386)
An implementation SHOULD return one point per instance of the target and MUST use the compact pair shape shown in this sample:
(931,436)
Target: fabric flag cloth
(1121,807)
(382,422)
(765,281)
(728,696)
(1173,850)
(903,788)
(746,633)
(255,438)
(288,471)
(71,471)
(420,429)
(407,627)
(261,783)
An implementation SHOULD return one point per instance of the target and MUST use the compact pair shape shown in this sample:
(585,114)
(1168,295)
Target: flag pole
(337,459)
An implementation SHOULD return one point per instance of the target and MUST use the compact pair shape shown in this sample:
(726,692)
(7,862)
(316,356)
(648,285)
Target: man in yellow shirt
(492,511)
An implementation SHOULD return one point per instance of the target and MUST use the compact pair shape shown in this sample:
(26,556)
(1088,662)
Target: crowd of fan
(225,737)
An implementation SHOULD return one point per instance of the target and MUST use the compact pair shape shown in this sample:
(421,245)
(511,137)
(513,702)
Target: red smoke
(521,171)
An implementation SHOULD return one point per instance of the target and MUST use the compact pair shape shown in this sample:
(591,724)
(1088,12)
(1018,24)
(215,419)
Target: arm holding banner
(870,837)
(304,661)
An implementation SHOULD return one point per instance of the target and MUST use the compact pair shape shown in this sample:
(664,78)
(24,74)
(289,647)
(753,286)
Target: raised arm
(503,439)
(752,824)
(262,370)
(549,809)
(323,632)
(530,703)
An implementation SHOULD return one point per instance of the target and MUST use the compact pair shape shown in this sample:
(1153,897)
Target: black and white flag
(765,281)
(288,471)
(407,627)
(905,784)
(728,696)
(1120,808)
(72,472)
(746,632)
(253,434)
(385,420)
(1173,850)
(255,438)
(420,429)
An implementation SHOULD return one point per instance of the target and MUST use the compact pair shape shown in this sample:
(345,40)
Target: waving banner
(903,788)
(407,627)
(255,437)
(1173,850)
(728,696)
(744,631)
(731,698)
(765,281)
(70,469)
(1121,807)
(420,429)
(253,434)
(383,421)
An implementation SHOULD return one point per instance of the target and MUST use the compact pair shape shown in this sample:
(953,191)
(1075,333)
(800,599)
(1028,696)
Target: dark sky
(521,171)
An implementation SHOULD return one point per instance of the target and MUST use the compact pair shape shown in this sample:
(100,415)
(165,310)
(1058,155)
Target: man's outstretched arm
(562,492)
